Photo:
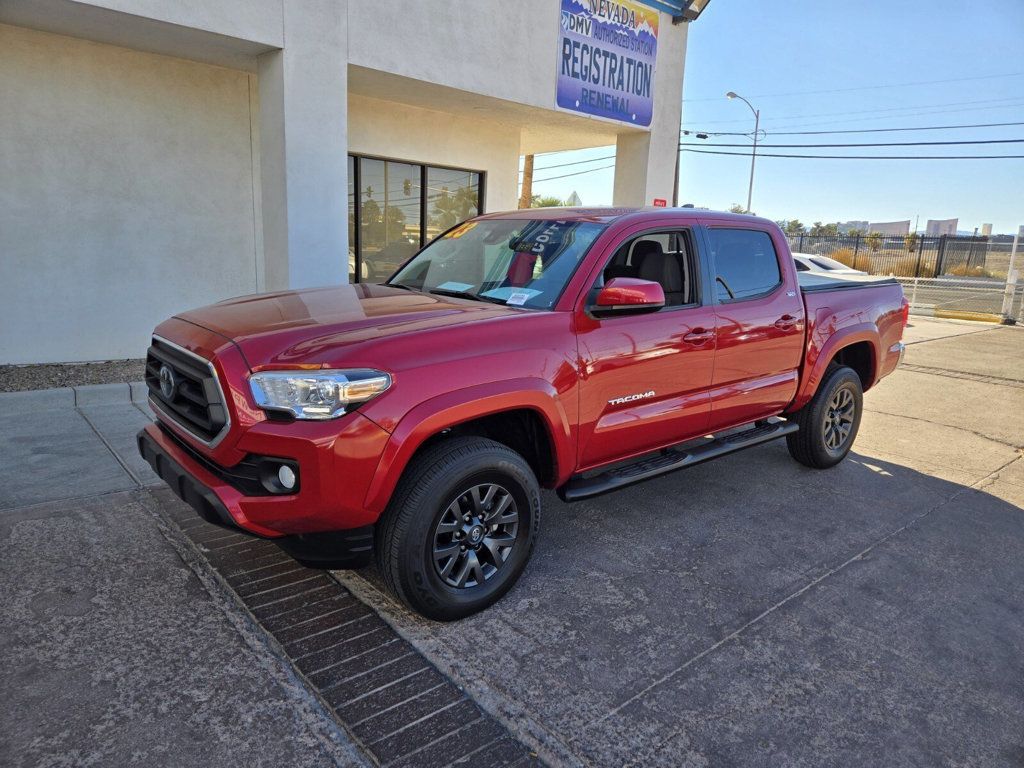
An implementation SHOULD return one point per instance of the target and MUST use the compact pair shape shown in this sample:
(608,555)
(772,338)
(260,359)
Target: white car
(812,262)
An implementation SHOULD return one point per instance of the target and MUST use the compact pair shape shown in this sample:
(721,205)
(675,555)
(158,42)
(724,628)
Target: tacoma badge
(631,398)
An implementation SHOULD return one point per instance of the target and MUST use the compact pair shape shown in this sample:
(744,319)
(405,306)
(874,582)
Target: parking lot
(746,611)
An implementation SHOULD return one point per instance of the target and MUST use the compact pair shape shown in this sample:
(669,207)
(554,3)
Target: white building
(936,227)
(890,227)
(157,155)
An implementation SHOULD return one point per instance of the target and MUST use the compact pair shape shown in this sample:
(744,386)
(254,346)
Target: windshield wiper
(465,295)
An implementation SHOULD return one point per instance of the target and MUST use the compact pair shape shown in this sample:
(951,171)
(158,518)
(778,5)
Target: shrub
(963,270)
(903,267)
(843,255)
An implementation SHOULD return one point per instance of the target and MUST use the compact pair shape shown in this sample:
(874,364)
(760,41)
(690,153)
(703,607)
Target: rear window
(745,262)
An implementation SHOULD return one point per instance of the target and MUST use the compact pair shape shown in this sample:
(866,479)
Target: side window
(746,263)
(662,257)
(801,266)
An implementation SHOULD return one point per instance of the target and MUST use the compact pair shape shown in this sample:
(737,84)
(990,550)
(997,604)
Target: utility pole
(526,195)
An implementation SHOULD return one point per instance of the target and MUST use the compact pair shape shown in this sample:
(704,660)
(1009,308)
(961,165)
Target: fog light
(286,476)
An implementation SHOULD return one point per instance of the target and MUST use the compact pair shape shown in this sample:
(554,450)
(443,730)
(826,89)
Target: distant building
(890,227)
(573,200)
(986,230)
(936,227)
(848,226)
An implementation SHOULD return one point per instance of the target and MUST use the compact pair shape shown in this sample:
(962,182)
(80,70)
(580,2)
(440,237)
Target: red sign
(660,202)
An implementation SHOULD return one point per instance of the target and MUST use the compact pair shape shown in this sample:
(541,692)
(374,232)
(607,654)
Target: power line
(808,133)
(863,157)
(891,130)
(575,162)
(867,87)
(930,107)
(871,144)
(918,114)
(690,131)
(577,173)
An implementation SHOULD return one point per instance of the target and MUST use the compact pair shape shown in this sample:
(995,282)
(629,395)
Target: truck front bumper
(335,463)
(185,485)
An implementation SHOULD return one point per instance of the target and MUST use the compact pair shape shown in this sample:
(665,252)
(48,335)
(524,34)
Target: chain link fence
(967,296)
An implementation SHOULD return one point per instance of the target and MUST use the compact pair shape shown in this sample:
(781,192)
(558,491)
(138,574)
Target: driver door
(646,377)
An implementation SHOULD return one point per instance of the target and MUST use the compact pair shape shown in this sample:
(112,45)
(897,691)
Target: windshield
(518,262)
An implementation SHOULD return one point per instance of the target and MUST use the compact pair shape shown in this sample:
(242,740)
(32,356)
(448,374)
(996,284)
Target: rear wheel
(829,422)
(460,527)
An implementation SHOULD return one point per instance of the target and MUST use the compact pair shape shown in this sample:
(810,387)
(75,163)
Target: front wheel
(829,422)
(460,527)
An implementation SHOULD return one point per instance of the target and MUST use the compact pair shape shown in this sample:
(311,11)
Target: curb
(12,403)
(953,314)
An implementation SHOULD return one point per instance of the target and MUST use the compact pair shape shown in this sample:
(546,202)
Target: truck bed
(811,282)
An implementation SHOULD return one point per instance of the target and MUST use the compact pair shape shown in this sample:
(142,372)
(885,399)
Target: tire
(420,535)
(822,441)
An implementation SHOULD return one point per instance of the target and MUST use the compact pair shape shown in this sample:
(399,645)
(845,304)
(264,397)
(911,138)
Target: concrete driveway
(752,611)
(747,611)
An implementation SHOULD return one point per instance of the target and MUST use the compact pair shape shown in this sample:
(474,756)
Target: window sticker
(451,285)
(518,298)
(462,229)
(511,295)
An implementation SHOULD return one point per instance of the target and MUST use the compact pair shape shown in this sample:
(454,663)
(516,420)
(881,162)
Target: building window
(395,208)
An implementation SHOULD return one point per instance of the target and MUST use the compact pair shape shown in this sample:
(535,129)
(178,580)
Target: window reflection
(387,200)
(452,196)
(351,219)
(389,216)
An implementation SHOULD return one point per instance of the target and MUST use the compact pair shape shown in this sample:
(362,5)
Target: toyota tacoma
(580,350)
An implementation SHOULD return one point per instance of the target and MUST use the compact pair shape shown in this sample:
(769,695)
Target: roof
(606,215)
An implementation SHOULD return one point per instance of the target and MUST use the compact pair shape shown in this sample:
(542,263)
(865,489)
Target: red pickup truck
(580,350)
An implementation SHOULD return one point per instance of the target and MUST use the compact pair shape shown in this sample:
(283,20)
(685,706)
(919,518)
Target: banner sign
(606,55)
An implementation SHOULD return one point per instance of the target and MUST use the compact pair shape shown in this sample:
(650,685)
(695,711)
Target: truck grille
(185,388)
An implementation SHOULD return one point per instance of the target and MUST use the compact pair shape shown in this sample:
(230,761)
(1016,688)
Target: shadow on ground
(751,611)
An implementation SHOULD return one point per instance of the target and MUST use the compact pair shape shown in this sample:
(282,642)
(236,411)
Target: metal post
(753,157)
(1011,279)
(856,247)
(800,249)
(920,247)
(940,255)
(913,294)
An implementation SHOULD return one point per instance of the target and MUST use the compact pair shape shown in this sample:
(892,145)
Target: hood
(312,326)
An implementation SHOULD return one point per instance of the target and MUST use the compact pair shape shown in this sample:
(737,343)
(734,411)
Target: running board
(671,459)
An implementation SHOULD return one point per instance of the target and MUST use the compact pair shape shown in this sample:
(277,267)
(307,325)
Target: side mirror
(628,295)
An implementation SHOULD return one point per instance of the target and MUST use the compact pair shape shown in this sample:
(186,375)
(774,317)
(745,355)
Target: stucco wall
(126,194)
(402,132)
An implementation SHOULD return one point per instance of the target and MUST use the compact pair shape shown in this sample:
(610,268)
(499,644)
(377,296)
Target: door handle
(786,322)
(698,336)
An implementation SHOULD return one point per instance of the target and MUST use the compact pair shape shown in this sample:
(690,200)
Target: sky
(830,65)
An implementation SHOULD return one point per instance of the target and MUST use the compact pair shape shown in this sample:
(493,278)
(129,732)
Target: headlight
(316,395)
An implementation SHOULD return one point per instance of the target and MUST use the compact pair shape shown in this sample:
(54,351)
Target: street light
(753,155)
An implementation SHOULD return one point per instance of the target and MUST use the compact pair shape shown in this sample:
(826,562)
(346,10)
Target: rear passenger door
(759,324)
(646,376)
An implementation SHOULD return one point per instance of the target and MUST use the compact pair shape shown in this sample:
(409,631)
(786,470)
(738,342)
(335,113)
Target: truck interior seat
(660,267)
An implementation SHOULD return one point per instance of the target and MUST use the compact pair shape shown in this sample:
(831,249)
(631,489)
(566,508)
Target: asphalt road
(747,611)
